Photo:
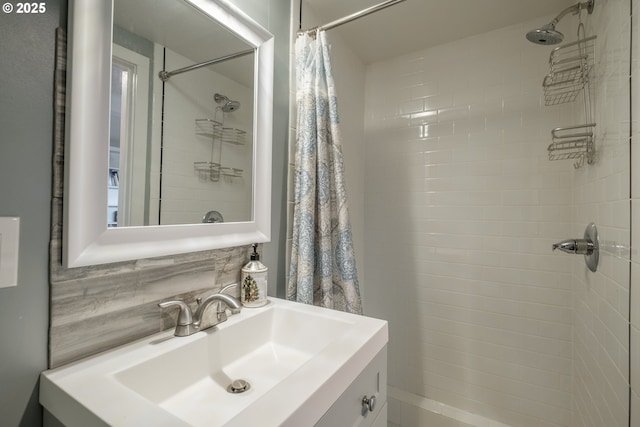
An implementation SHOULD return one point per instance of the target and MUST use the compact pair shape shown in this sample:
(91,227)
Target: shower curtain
(322,270)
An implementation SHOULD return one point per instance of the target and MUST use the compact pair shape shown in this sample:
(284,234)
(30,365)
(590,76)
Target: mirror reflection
(181,143)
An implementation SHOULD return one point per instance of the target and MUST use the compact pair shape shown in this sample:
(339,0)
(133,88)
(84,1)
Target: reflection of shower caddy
(213,169)
(570,65)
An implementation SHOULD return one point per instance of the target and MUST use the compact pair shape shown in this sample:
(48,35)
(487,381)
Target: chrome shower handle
(575,246)
(588,246)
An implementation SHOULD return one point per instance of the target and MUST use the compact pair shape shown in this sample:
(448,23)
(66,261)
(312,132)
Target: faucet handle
(574,246)
(569,246)
(184,317)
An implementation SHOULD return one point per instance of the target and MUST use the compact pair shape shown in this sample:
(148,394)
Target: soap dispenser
(253,280)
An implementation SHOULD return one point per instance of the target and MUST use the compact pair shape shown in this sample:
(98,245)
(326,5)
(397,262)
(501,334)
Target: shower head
(228,106)
(547,34)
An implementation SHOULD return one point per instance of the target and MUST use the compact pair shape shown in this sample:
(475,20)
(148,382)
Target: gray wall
(274,15)
(26,118)
(275,251)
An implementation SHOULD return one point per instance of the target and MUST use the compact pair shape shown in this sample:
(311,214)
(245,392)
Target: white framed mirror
(87,239)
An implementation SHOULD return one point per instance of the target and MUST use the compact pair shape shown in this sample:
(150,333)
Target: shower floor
(409,410)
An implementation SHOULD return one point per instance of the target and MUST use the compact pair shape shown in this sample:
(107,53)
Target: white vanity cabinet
(348,409)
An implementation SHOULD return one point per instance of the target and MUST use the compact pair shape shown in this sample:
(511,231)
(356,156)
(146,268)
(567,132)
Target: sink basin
(297,359)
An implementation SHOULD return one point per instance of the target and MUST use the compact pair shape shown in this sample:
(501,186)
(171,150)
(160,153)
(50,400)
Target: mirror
(198,149)
(181,159)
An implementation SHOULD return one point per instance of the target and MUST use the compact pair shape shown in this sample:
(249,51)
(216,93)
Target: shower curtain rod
(353,16)
(165,75)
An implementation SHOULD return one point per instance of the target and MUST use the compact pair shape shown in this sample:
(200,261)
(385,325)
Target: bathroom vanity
(286,364)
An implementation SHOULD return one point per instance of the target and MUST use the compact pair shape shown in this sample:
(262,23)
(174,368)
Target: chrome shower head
(545,35)
(228,106)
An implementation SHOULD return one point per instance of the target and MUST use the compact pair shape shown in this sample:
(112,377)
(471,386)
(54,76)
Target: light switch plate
(9,242)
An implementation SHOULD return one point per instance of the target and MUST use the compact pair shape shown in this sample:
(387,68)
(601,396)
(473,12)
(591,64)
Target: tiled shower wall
(601,194)
(187,195)
(635,223)
(461,209)
(180,142)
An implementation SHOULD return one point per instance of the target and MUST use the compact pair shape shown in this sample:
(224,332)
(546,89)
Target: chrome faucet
(189,323)
(221,314)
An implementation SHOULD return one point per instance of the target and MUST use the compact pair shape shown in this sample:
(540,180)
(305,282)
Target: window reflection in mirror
(183,147)
(119,91)
(128,138)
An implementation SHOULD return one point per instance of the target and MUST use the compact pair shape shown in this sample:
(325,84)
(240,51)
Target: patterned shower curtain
(323,270)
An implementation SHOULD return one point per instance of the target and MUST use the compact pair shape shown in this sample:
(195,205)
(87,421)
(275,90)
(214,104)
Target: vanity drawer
(348,409)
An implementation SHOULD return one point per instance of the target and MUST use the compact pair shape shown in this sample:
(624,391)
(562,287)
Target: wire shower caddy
(569,68)
(210,129)
(213,169)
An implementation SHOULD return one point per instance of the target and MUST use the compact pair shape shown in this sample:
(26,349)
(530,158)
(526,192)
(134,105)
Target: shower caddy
(215,130)
(570,65)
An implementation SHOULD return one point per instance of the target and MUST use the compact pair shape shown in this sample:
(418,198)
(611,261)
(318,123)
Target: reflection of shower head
(228,106)
(548,34)
(231,106)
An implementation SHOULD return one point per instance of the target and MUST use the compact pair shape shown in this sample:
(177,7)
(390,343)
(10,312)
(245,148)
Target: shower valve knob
(588,246)
(575,246)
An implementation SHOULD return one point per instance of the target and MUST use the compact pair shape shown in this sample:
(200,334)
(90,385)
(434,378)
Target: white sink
(298,359)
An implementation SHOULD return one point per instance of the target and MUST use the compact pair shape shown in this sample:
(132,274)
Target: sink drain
(238,386)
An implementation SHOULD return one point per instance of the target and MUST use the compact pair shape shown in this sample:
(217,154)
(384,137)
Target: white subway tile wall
(462,207)
(186,194)
(601,194)
(635,224)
